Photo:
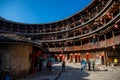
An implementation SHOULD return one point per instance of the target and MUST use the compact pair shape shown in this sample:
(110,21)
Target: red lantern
(86,11)
(114,47)
(38,53)
(116,26)
(108,14)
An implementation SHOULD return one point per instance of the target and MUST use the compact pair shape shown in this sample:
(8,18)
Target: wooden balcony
(97,45)
(109,42)
(117,40)
(86,47)
(102,44)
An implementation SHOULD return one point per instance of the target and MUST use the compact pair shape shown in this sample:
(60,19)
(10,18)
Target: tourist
(89,65)
(93,65)
(63,66)
(50,65)
(83,64)
(40,64)
(47,64)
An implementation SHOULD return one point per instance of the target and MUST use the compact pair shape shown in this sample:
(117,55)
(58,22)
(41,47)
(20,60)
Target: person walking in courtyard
(63,66)
(93,65)
(50,65)
(89,65)
(47,64)
(40,64)
(83,64)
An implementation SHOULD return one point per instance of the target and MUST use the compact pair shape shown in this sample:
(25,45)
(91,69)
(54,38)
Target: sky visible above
(40,11)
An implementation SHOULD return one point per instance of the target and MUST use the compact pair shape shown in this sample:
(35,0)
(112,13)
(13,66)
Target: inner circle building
(93,33)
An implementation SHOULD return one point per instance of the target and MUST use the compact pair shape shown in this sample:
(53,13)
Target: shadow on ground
(71,72)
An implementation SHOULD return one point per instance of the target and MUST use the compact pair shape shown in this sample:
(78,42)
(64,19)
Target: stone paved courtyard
(73,72)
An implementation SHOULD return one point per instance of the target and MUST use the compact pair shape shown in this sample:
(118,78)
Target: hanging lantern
(114,47)
(86,10)
(59,43)
(116,26)
(108,14)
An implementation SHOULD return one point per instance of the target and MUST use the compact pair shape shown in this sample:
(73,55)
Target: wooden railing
(97,45)
(86,47)
(110,42)
(117,40)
